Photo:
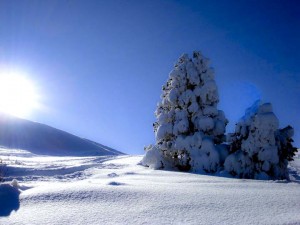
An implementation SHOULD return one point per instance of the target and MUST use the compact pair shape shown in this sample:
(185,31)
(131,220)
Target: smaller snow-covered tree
(189,126)
(258,148)
(286,150)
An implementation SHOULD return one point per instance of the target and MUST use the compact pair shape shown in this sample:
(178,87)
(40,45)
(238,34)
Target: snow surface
(116,190)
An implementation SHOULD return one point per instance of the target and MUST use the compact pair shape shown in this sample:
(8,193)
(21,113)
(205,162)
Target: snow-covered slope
(116,190)
(42,139)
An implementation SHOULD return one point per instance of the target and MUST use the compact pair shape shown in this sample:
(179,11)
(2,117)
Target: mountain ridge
(43,139)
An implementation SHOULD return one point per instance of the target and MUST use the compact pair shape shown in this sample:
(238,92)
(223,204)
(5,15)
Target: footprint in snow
(112,175)
(130,173)
(114,183)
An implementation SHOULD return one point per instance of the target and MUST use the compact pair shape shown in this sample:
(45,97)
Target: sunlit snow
(117,190)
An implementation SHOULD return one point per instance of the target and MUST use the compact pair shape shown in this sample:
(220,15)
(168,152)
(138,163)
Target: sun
(18,94)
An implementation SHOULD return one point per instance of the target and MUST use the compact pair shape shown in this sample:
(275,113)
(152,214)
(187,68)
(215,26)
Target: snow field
(119,191)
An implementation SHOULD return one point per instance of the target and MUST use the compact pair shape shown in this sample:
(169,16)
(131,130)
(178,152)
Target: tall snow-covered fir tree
(258,148)
(189,127)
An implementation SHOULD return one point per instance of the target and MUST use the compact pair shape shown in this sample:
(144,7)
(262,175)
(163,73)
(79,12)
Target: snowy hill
(116,190)
(38,138)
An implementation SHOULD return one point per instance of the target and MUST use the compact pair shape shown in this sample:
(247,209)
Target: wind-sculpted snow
(36,167)
(120,191)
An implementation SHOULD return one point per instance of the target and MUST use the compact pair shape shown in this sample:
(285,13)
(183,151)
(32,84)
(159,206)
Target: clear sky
(100,65)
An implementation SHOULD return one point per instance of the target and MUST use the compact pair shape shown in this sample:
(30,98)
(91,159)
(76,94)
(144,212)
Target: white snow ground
(115,190)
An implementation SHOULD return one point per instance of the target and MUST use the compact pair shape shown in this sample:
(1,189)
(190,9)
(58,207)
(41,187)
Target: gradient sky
(100,65)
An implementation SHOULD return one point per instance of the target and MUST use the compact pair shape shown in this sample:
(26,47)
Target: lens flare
(18,95)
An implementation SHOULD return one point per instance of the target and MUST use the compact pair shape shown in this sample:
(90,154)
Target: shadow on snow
(9,199)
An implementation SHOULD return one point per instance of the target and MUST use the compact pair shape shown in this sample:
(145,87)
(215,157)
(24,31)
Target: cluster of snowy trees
(190,130)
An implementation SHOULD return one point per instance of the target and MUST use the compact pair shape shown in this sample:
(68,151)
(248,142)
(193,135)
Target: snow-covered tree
(258,148)
(189,126)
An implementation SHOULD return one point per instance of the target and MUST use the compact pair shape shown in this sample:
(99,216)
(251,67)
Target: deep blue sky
(100,65)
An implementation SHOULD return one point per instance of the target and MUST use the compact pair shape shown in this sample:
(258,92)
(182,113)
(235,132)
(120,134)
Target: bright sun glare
(18,94)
